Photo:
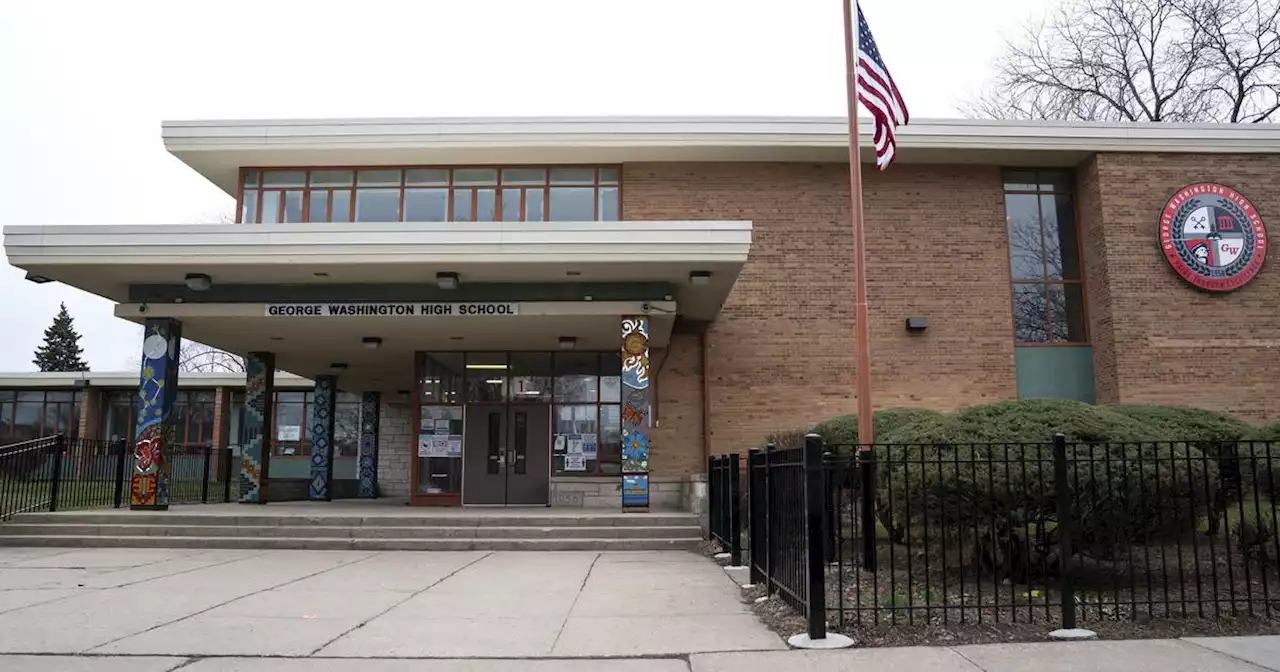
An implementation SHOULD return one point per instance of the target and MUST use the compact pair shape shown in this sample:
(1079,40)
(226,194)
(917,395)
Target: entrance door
(506,455)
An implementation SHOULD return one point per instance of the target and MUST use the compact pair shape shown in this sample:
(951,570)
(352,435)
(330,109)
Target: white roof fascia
(96,379)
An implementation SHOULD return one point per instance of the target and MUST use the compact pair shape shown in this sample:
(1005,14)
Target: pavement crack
(966,659)
(223,604)
(412,595)
(581,588)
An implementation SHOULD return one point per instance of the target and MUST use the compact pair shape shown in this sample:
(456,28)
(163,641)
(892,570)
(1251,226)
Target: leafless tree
(200,358)
(1142,60)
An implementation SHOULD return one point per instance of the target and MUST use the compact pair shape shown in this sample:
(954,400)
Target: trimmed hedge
(842,430)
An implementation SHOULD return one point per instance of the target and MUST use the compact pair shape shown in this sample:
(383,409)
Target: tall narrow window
(1044,258)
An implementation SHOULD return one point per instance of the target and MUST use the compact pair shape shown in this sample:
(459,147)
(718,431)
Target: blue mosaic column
(259,407)
(157,388)
(635,412)
(369,402)
(320,434)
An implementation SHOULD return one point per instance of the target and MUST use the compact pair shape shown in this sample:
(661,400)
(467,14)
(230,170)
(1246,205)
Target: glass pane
(1054,180)
(608,176)
(293,206)
(575,427)
(1062,245)
(573,176)
(287,397)
(510,205)
(441,474)
(378,178)
(611,377)
(318,208)
(330,178)
(608,208)
(346,429)
(524,176)
(1026,249)
(609,442)
(1020,180)
(485,199)
(377,205)
(533,202)
(426,205)
(341,210)
(1067,312)
(461,205)
(442,378)
(251,178)
(429,177)
(531,376)
(486,376)
(284,178)
(576,377)
(289,428)
(270,207)
(1029,313)
(484,176)
(249,208)
(572,204)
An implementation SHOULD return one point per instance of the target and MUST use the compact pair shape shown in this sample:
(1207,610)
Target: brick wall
(781,352)
(1097,282)
(676,438)
(1167,342)
(395,445)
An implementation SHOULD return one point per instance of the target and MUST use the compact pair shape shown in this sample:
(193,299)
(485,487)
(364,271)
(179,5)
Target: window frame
(1044,282)
(498,187)
(75,405)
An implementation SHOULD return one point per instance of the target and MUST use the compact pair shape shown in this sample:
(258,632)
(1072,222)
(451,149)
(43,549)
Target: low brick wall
(667,493)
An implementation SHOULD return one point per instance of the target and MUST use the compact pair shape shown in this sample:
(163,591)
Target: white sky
(84,86)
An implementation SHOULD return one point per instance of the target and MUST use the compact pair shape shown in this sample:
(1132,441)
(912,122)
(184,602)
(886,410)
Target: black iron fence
(61,473)
(1054,533)
(724,510)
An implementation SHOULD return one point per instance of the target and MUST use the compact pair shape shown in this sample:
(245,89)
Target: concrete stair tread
(425,520)
(338,531)
(339,543)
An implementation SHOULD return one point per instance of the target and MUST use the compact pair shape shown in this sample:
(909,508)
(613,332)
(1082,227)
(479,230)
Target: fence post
(815,506)
(713,494)
(59,444)
(1066,528)
(117,499)
(753,541)
(768,519)
(830,515)
(867,464)
(227,475)
(735,510)
(204,483)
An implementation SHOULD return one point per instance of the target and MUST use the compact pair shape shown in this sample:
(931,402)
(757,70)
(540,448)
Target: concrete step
(342,544)
(175,518)
(23,529)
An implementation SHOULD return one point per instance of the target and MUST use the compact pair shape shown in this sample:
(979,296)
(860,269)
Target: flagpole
(862,331)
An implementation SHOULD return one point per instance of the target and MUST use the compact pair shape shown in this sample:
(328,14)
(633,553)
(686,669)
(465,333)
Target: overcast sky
(84,86)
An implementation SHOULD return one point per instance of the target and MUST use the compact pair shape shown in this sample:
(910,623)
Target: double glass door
(506,455)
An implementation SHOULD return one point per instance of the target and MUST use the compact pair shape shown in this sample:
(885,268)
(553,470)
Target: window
(292,416)
(530,194)
(33,414)
(1044,258)
(192,415)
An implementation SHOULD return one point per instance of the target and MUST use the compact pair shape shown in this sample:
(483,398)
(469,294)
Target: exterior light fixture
(277,338)
(700,278)
(338,367)
(917,325)
(198,282)
(178,299)
(447,280)
(371,342)
(573,274)
(567,342)
(487,367)
(36,278)
(320,274)
(588,298)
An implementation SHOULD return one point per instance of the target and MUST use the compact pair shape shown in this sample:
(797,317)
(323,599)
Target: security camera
(142,309)
(645,307)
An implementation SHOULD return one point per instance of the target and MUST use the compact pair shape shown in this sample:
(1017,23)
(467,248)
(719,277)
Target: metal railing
(61,473)
(1057,533)
(724,510)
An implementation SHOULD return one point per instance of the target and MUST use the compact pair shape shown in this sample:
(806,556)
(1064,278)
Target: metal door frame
(509,437)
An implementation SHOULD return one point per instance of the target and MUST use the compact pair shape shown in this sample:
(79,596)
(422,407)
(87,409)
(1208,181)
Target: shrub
(787,438)
(1264,449)
(842,430)
(1207,429)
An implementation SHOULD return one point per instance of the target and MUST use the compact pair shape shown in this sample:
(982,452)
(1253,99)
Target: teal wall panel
(1055,371)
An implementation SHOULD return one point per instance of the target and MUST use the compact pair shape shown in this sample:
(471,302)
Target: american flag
(878,92)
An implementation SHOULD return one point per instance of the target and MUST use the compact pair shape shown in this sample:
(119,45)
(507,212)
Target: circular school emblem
(1213,237)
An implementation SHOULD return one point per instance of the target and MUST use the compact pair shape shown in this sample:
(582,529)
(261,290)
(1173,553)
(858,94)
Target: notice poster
(575,445)
(288,432)
(430,445)
(575,462)
(559,445)
(589,446)
(424,445)
(442,426)
(455,446)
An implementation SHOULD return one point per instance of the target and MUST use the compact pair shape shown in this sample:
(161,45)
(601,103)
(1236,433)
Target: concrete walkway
(344,604)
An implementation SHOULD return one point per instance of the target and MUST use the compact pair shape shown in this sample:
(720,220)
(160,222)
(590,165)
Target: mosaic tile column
(369,402)
(255,453)
(157,388)
(320,433)
(635,412)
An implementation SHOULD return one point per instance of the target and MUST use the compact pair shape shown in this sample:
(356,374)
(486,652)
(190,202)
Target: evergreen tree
(61,350)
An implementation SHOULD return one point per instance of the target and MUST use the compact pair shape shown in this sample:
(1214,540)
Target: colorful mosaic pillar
(157,388)
(321,436)
(369,402)
(635,412)
(255,453)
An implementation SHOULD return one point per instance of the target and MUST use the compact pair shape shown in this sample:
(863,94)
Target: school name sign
(391,309)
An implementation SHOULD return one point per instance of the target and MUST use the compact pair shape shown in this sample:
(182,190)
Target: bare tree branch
(200,358)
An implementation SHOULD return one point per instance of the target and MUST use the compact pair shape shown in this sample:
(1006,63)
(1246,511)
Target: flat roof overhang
(217,149)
